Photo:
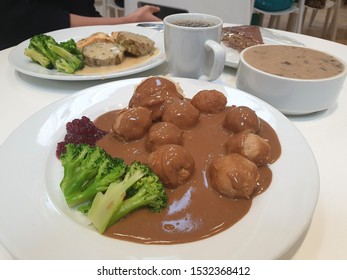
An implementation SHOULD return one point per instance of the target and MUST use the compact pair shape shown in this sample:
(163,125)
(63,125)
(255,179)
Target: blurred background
(311,26)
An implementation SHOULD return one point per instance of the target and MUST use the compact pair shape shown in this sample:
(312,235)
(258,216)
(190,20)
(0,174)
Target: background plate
(24,65)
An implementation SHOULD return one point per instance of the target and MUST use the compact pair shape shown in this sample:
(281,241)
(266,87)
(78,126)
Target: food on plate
(65,56)
(99,52)
(172,163)
(98,37)
(234,176)
(132,43)
(87,171)
(132,123)
(181,113)
(80,131)
(112,188)
(209,101)
(138,188)
(102,54)
(162,133)
(241,118)
(210,182)
(251,146)
(154,93)
(241,37)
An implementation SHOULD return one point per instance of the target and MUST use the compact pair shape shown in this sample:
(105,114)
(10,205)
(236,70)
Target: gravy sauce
(195,210)
(129,62)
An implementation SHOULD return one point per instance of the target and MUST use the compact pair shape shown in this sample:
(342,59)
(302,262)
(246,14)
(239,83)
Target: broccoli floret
(150,193)
(65,57)
(146,189)
(39,43)
(67,62)
(71,47)
(87,171)
(39,58)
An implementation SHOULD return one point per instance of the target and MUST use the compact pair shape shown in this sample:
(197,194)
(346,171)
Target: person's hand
(143,14)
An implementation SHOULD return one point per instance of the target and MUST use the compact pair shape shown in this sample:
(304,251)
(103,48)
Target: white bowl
(291,96)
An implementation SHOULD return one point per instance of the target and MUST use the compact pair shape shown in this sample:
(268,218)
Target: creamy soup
(293,62)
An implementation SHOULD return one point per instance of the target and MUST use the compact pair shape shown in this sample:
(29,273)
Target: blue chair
(293,8)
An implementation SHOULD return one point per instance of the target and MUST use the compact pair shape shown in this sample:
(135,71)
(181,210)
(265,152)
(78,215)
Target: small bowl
(292,94)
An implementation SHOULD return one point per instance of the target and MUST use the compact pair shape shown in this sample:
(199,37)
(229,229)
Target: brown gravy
(195,210)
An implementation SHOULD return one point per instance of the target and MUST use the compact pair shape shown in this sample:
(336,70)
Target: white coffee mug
(192,46)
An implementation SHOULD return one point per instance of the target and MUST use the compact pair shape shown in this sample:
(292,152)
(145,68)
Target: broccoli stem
(105,205)
(129,205)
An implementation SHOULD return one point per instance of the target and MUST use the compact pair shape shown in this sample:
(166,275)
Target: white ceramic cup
(194,52)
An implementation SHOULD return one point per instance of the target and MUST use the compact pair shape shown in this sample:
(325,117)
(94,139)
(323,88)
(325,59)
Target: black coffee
(193,23)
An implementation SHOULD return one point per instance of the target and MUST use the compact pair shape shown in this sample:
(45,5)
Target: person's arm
(142,14)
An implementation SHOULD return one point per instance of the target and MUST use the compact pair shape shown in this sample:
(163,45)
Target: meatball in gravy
(132,123)
(172,163)
(251,146)
(181,113)
(163,133)
(240,119)
(209,101)
(153,93)
(233,176)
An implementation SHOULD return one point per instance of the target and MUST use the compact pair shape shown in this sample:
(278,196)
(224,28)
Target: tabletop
(326,133)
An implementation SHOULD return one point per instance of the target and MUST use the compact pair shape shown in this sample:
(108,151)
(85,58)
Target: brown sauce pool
(195,210)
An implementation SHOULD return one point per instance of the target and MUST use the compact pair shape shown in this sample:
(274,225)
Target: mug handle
(215,53)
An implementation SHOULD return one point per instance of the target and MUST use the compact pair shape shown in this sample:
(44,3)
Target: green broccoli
(39,58)
(65,57)
(68,60)
(150,193)
(38,43)
(145,189)
(87,171)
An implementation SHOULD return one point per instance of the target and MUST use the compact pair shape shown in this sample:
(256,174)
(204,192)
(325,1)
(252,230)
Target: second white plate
(24,64)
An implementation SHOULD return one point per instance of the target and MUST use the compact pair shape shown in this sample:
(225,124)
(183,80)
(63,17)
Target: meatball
(233,176)
(240,119)
(153,93)
(251,146)
(209,101)
(132,123)
(181,113)
(163,133)
(172,163)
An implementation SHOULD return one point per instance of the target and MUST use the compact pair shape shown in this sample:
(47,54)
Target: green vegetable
(65,56)
(68,60)
(145,189)
(106,189)
(39,58)
(87,171)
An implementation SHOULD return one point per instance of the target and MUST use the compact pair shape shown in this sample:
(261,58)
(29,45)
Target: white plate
(37,224)
(24,65)
(269,37)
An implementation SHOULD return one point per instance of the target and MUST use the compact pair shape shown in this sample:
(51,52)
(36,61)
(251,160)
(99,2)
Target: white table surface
(21,96)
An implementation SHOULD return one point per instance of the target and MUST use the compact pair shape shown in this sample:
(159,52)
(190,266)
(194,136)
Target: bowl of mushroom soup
(295,80)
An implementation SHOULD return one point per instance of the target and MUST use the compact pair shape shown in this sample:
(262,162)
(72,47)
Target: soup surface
(293,62)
